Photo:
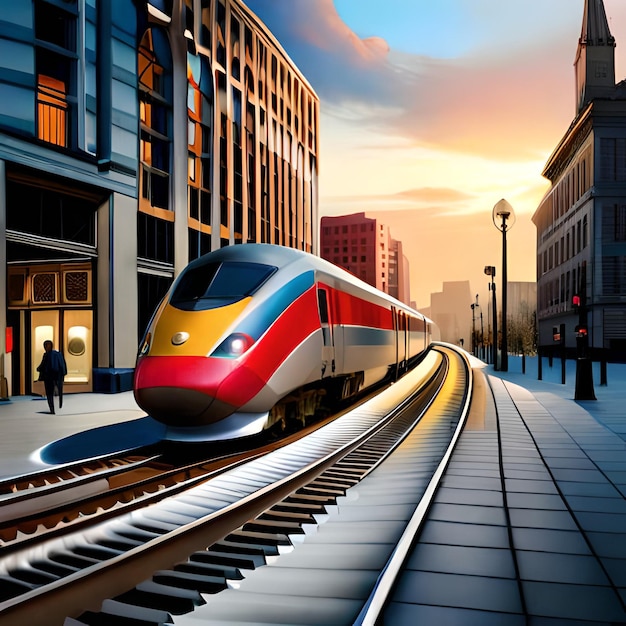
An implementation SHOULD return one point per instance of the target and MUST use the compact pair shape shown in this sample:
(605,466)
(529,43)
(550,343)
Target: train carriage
(248,330)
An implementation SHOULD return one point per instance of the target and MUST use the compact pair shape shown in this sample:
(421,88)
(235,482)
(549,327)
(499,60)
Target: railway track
(28,518)
(165,557)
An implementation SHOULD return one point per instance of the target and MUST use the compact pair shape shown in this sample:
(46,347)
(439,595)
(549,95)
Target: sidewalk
(609,408)
(96,420)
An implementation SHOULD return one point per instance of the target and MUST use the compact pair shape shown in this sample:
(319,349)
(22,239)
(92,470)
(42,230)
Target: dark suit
(52,371)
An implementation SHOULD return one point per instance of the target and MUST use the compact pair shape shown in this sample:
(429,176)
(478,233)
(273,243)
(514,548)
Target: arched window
(155,105)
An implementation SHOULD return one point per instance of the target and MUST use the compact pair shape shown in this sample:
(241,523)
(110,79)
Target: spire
(595,30)
(595,56)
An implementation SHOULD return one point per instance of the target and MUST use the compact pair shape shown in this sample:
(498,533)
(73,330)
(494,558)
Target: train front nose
(181,391)
(175,381)
(175,406)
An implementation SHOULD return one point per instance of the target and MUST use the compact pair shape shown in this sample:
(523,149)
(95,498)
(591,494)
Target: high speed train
(251,335)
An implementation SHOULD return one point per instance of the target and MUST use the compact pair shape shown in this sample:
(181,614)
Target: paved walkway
(529,526)
(94,419)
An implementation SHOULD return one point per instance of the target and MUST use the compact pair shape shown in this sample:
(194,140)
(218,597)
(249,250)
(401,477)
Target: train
(251,336)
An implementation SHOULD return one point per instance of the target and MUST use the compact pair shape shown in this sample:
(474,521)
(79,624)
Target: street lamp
(490,270)
(502,212)
(473,307)
(474,342)
(584,374)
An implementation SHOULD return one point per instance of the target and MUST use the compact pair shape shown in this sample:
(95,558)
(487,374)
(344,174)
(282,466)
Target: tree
(522,330)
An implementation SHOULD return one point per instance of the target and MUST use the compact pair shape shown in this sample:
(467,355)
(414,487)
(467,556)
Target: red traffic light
(576,300)
(581,331)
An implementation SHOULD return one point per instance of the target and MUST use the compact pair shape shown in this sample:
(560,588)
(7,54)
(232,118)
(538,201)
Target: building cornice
(569,145)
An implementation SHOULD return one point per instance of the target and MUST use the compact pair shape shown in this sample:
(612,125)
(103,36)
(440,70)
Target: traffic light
(581,331)
(576,301)
(558,334)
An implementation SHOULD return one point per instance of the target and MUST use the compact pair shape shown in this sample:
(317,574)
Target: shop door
(44,326)
(71,333)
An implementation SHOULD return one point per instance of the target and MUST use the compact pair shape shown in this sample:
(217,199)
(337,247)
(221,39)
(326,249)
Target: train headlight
(234,345)
(178,339)
(145,346)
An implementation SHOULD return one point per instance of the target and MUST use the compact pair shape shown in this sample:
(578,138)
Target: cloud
(510,96)
(340,66)
(433,194)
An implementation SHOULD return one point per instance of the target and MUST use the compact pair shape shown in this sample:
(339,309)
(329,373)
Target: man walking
(52,371)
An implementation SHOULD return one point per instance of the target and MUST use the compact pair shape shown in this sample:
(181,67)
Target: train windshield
(218,284)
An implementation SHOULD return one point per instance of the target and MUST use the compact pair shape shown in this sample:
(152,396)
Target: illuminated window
(52,110)
(55,50)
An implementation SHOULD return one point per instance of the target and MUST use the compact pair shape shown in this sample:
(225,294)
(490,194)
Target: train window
(212,285)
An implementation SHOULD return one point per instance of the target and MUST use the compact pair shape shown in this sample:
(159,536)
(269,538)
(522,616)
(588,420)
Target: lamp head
(502,212)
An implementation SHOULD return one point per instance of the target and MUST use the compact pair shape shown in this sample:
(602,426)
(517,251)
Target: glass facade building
(136,136)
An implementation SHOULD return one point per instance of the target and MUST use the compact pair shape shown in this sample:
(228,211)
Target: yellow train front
(246,326)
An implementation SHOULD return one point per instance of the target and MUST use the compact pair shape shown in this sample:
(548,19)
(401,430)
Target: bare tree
(522,331)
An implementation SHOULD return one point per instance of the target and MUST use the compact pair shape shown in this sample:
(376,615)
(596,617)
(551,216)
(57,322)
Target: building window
(613,159)
(220,32)
(52,214)
(205,26)
(613,275)
(614,223)
(200,138)
(235,45)
(55,52)
(155,238)
(155,98)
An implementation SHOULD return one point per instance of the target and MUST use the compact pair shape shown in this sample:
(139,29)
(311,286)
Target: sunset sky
(433,110)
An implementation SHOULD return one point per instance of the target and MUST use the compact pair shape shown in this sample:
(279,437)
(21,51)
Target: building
(581,221)
(399,286)
(364,246)
(451,310)
(135,136)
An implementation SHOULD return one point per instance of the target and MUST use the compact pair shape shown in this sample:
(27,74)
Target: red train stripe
(257,366)
(350,310)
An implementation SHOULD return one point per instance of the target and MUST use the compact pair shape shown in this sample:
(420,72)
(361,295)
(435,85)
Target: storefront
(50,302)
(51,260)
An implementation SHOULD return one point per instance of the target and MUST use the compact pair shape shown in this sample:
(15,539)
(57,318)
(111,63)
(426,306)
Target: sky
(434,110)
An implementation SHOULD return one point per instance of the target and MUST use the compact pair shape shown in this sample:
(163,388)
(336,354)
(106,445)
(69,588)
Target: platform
(529,526)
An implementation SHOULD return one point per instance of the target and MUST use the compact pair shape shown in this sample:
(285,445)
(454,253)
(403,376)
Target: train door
(400,330)
(328,347)
(402,341)
(395,321)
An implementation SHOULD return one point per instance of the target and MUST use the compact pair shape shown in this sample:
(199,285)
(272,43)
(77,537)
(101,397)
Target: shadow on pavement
(104,440)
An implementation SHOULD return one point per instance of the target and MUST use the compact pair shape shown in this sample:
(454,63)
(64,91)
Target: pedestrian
(52,371)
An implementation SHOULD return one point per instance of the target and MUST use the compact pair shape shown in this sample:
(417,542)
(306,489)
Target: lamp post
(490,270)
(502,212)
(473,307)
(584,373)
(482,335)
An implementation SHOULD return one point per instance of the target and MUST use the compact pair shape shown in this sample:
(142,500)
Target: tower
(595,57)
